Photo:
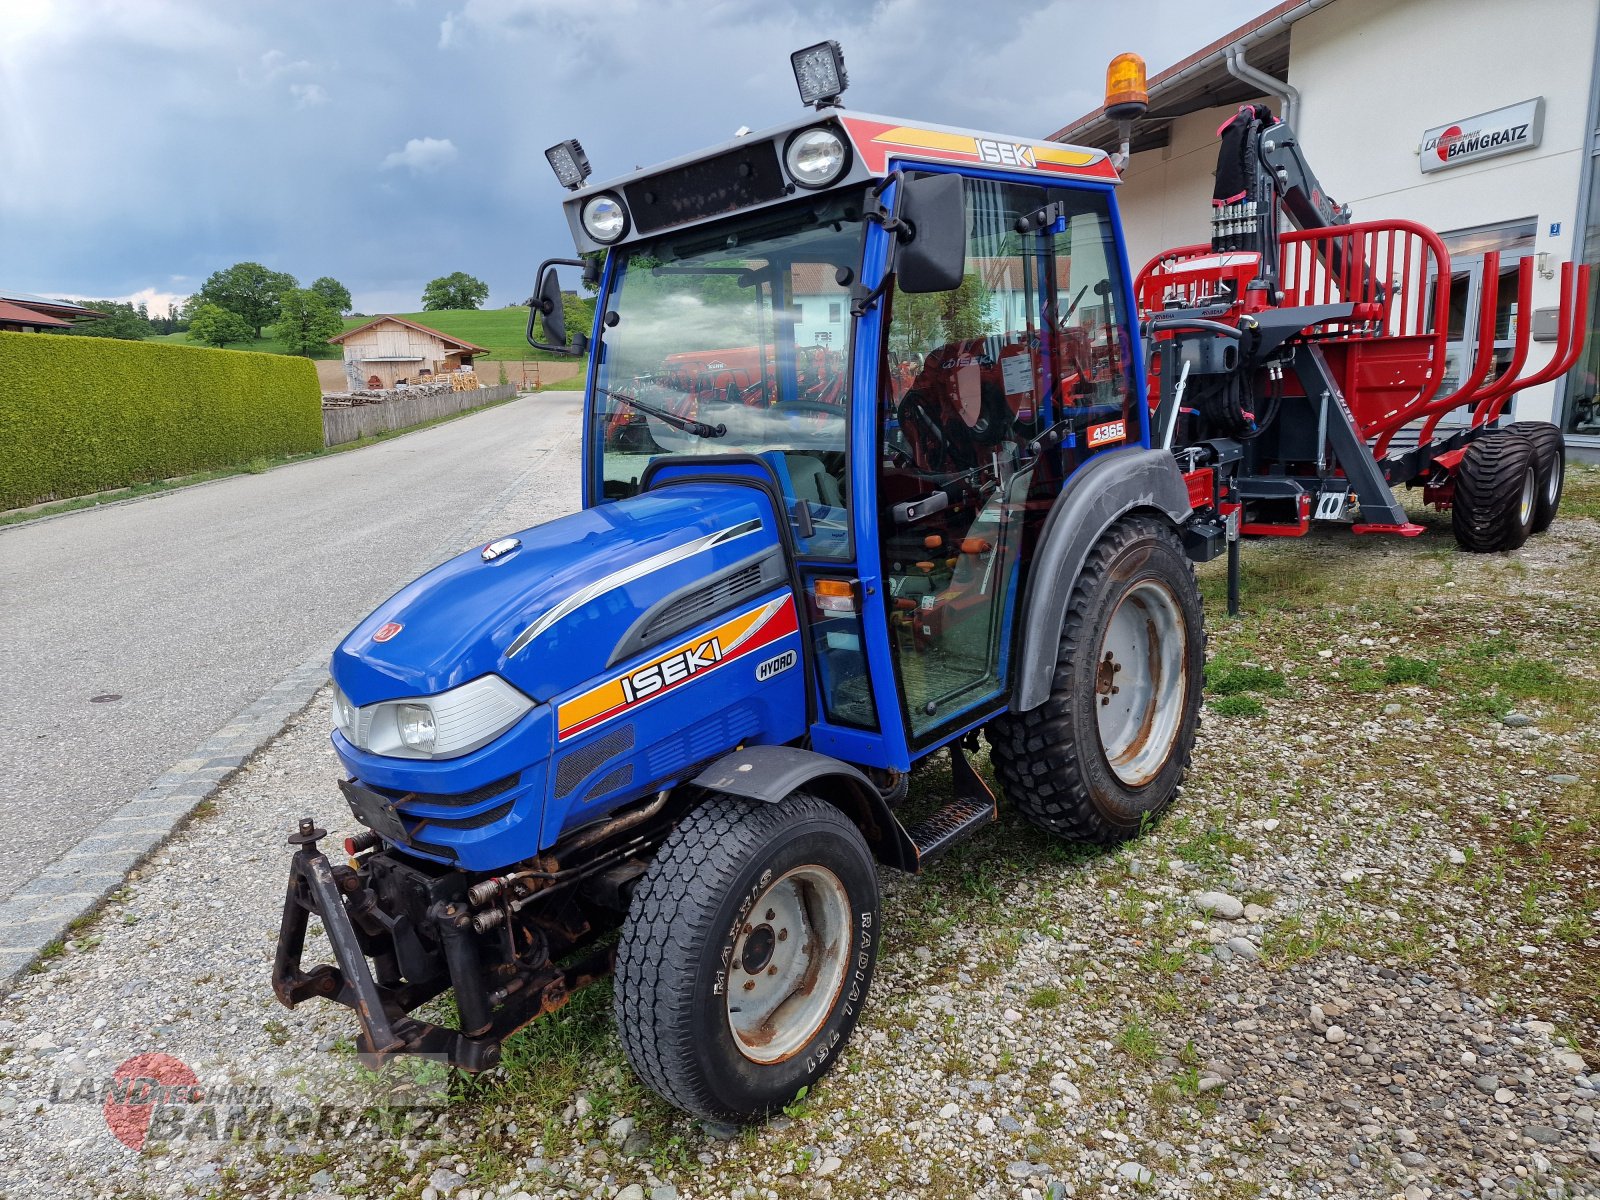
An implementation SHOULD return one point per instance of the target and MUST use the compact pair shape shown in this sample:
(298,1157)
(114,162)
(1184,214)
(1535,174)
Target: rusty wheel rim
(788,963)
(1139,682)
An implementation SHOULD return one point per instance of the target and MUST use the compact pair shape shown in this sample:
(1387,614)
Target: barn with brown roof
(389,350)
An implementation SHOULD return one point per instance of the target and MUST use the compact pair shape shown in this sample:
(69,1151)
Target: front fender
(769,773)
(1106,488)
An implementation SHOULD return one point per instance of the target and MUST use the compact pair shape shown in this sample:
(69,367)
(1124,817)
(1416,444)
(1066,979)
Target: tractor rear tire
(1550,453)
(1105,753)
(746,955)
(1497,487)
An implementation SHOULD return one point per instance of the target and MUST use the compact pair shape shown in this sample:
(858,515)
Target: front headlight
(816,157)
(448,725)
(605,218)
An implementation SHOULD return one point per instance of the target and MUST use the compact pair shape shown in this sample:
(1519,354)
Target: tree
(248,290)
(335,293)
(306,321)
(456,290)
(216,326)
(122,320)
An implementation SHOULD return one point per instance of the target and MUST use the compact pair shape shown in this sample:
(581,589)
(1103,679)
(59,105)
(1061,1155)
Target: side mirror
(552,316)
(934,207)
(545,309)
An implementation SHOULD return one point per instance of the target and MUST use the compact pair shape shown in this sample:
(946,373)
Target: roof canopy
(54,308)
(451,343)
(17,314)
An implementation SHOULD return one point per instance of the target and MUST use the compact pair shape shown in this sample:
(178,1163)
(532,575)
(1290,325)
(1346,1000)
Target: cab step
(972,809)
(953,823)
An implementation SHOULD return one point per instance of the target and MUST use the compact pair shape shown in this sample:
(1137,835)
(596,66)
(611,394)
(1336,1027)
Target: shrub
(80,415)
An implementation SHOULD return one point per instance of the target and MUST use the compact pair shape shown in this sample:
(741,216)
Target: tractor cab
(913,336)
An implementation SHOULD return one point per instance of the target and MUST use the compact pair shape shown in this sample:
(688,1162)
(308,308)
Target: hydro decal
(876,141)
(734,639)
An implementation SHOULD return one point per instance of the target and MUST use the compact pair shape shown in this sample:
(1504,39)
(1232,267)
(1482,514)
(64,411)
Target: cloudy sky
(146,143)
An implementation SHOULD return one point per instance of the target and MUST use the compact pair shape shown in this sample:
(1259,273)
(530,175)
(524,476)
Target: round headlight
(816,157)
(604,218)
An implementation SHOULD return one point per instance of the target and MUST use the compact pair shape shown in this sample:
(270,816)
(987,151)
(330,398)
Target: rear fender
(769,773)
(1105,489)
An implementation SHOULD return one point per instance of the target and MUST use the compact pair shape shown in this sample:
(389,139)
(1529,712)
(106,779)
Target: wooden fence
(341,425)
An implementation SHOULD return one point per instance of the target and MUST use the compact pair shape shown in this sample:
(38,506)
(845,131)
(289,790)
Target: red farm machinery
(1300,376)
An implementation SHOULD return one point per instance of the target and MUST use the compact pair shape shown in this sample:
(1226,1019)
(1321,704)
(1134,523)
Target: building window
(835,312)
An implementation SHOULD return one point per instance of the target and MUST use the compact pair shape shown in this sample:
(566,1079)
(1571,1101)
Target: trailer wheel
(1497,491)
(1550,462)
(1108,748)
(746,955)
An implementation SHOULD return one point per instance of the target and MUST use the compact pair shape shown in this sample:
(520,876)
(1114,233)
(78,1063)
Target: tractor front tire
(1105,753)
(1550,465)
(1496,495)
(746,955)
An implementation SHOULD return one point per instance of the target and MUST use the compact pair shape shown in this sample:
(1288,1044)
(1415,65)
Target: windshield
(736,340)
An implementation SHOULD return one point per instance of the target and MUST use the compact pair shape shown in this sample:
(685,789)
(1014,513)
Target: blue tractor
(867,477)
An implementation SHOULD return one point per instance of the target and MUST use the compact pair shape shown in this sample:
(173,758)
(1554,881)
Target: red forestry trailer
(1299,375)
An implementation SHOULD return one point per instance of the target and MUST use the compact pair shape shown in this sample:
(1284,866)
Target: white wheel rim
(1140,686)
(1552,487)
(1530,489)
(788,964)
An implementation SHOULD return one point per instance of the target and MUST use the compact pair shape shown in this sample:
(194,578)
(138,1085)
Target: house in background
(23,313)
(388,350)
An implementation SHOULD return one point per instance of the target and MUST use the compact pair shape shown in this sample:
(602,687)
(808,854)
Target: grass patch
(1238,706)
(1138,1041)
(1237,678)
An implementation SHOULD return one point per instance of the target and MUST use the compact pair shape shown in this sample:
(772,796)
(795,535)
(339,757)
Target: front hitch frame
(358,931)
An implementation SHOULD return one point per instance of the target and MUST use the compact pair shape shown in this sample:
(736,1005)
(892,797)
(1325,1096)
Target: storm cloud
(145,145)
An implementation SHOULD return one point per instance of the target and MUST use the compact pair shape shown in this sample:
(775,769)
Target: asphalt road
(188,605)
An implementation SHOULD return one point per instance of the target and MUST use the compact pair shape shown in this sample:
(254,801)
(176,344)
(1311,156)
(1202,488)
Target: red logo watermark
(388,631)
(141,1085)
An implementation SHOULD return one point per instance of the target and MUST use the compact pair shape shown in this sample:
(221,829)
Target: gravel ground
(1360,958)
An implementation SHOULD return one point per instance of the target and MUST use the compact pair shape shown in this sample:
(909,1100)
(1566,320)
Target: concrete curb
(41,911)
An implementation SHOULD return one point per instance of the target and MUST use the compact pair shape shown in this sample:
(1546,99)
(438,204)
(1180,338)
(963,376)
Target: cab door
(990,395)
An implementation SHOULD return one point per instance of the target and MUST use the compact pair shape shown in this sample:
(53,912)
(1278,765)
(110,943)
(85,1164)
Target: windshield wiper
(698,428)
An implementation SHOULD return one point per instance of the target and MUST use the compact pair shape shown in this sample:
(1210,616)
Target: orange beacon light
(1127,96)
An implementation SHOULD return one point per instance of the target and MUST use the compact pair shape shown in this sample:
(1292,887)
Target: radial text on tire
(1108,748)
(747,954)
(1550,468)
(1496,494)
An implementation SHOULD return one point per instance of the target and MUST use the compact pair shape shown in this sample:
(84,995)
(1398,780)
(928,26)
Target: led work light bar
(819,74)
(569,162)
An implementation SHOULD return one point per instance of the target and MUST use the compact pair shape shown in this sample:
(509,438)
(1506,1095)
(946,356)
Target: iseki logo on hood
(651,679)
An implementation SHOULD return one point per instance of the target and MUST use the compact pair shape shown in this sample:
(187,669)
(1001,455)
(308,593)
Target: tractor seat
(811,480)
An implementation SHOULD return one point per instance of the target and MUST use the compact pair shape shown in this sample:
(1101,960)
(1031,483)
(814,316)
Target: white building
(1364,83)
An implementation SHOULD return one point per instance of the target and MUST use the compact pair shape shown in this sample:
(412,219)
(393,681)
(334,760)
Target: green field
(501,331)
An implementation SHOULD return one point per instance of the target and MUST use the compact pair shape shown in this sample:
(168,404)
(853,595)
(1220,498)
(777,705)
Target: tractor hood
(574,596)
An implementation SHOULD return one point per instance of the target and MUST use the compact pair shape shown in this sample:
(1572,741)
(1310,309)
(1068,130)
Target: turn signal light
(1127,95)
(835,595)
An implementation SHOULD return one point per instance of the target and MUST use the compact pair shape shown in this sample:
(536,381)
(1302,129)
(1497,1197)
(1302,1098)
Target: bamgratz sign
(1503,131)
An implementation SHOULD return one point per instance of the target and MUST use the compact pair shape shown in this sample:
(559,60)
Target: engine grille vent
(693,608)
(577,766)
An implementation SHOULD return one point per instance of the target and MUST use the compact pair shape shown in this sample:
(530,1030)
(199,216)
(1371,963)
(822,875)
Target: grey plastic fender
(1106,488)
(769,773)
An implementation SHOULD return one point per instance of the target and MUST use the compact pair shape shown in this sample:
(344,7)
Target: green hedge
(80,415)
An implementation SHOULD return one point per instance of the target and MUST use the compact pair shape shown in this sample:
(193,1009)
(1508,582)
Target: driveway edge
(74,885)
